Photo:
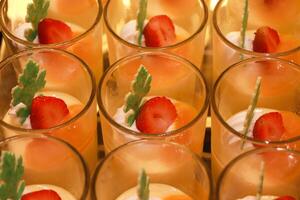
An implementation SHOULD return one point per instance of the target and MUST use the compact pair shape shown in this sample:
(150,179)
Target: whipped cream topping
(21,29)
(235,38)
(12,112)
(64,194)
(264,197)
(130,33)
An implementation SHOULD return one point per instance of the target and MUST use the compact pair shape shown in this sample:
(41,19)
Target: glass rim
(244,155)
(173,46)
(118,126)
(223,122)
(84,66)
(70,42)
(239,49)
(57,140)
(198,160)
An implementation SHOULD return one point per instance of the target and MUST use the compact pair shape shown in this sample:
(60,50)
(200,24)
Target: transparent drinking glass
(231,96)
(279,168)
(67,78)
(168,165)
(172,77)
(49,163)
(82,16)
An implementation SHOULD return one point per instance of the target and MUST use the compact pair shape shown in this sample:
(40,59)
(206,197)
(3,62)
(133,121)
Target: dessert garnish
(158,32)
(48,30)
(244,23)
(143,186)
(30,81)
(261,181)
(250,110)
(153,115)
(11,173)
(134,99)
(44,111)
(142,14)
(11,183)
(36,11)
(266,40)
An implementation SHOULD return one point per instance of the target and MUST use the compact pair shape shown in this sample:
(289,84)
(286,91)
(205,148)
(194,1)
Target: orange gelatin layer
(177,197)
(291,123)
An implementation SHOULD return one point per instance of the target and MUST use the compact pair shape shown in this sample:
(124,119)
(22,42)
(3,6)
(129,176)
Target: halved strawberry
(266,40)
(285,198)
(159,32)
(53,31)
(269,127)
(156,115)
(47,111)
(41,195)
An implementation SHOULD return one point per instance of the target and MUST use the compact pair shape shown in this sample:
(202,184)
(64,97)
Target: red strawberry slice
(47,111)
(269,127)
(156,115)
(53,31)
(41,195)
(266,40)
(285,198)
(159,32)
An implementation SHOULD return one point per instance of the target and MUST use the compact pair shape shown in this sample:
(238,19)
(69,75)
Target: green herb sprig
(143,186)
(11,173)
(261,181)
(250,111)
(142,14)
(244,26)
(36,11)
(140,87)
(30,81)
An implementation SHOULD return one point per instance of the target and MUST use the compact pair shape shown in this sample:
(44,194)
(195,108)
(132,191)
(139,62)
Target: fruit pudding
(155,28)
(146,116)
(157,192)
(37,108)
(266,126)
(53,23)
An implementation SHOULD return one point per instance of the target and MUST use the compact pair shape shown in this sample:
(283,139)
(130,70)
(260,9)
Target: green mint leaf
(140,87)
(11,173)
(261,181)
(30,81)
(36,11)
(142,14)
(250,111)
(143,186)
(244,24)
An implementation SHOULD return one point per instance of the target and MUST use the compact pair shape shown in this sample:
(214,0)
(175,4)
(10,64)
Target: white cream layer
(157,192)
(235,38)
(264,197)
(64,194)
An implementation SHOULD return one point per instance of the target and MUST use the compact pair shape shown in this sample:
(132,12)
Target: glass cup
(82,16)
(227,24)
(67,78)
(172,77)
(232,94)
(49,163)
(170,167)
(279,168)
(189,18)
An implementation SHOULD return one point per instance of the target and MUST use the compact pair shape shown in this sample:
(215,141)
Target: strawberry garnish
(159,32)
(285,198)
(41,195)
(53,31)
(269,127)
(47,112)
(156,115)
(266,40)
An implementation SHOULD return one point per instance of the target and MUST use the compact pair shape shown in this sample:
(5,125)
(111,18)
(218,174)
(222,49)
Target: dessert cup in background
(65,107)
(275,119)
(174,79)
(74,26)
(275,170)
(49,164)
(181,23)
(173,170)
(269,31)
